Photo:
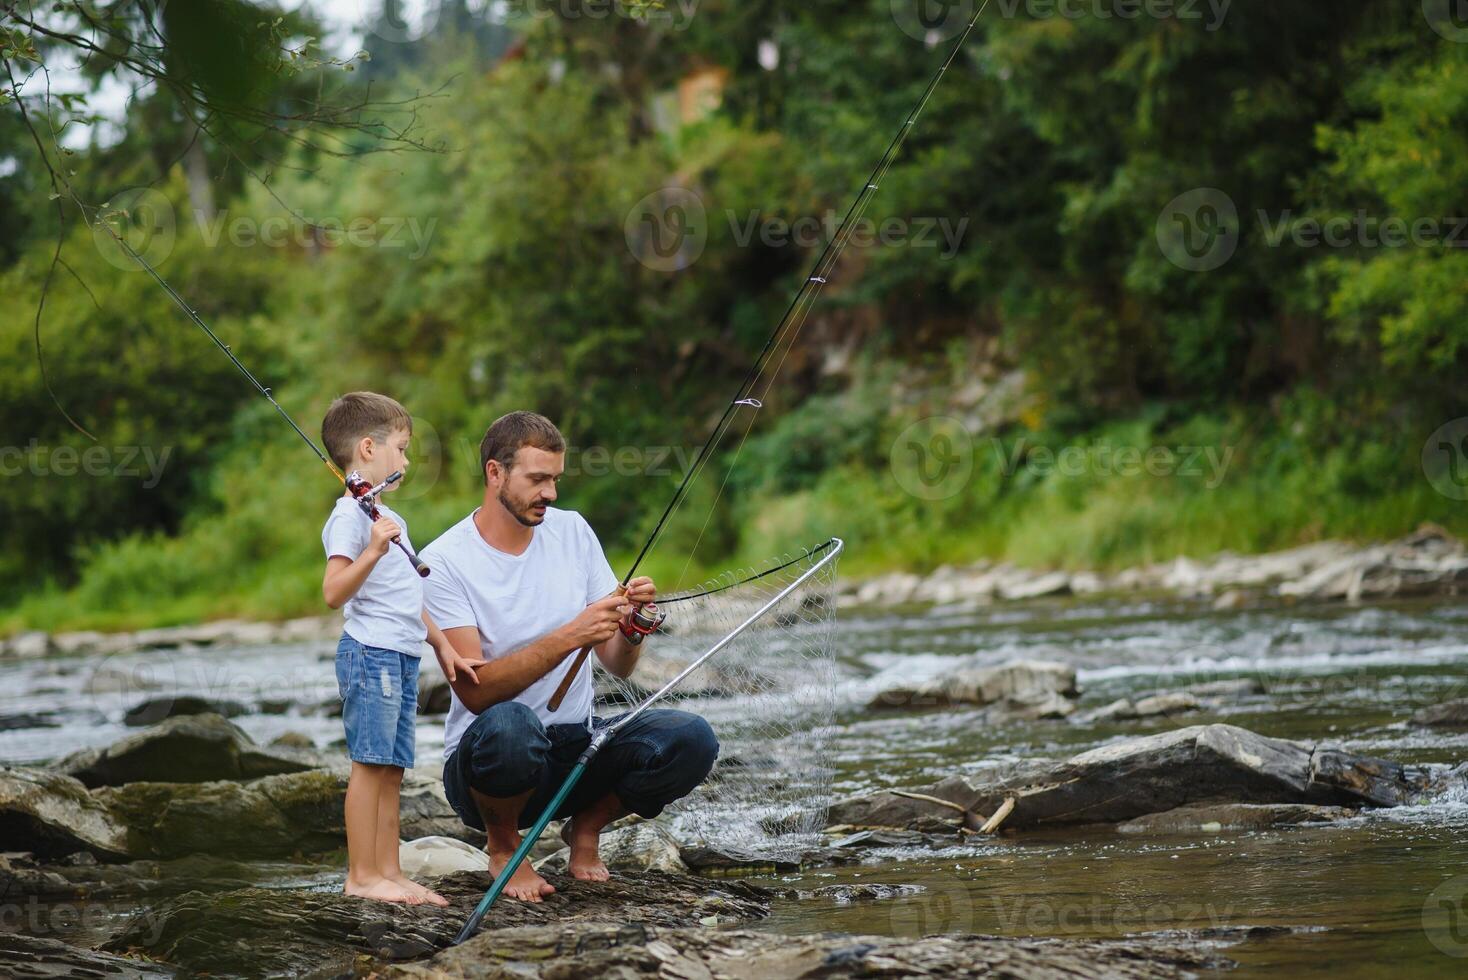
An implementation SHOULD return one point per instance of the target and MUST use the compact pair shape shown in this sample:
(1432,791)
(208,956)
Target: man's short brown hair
(510,433)
(356,415)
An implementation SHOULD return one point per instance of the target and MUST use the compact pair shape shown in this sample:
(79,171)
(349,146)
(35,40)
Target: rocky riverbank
(1428,562)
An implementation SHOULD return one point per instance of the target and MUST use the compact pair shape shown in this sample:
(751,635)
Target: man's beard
(521,513)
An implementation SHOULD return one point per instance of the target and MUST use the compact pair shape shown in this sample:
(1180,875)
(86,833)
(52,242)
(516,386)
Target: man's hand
(641,590)
(598,621)
(384,529)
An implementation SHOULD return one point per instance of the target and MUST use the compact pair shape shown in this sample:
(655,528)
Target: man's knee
(509,749)
(699,748)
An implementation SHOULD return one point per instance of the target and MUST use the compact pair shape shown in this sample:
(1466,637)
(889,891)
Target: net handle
(836,546)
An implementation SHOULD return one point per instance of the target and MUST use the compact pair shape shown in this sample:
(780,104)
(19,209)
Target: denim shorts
(379,691)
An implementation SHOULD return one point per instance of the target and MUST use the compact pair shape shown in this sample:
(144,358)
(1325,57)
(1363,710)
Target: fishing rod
(601,738)
(791,322)
(361,490)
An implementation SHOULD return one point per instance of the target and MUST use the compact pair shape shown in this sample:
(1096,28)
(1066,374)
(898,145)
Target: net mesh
(769,695)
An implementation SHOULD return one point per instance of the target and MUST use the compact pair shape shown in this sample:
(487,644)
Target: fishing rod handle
(419,565)
(554,703)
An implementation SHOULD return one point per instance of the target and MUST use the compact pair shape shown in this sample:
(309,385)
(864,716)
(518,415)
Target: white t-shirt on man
(387,610)
(516,599)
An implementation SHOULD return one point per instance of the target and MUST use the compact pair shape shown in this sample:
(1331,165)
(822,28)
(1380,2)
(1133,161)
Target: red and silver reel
(643,621)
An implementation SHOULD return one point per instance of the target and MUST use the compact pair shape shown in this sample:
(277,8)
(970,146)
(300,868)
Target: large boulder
(1233,816)
(53,815)
(284,932)
(274,816)
(34,958)
(1189,766)
(186,749)
(1021,688)
(154,710)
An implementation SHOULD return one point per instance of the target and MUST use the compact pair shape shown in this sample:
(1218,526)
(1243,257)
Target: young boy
(377,658)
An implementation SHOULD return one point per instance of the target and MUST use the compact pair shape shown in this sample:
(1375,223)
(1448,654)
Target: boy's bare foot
(428,895)
(524,884)
(382,890)
(585,862)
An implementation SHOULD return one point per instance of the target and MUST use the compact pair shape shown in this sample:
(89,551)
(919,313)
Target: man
(525,587)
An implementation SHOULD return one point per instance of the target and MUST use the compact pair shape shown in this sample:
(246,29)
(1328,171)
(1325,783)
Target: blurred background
(1147,280)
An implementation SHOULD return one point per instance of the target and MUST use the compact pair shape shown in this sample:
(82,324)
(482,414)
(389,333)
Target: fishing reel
(366,496)
(642,622)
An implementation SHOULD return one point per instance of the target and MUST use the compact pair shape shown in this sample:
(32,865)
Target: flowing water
(1383,892)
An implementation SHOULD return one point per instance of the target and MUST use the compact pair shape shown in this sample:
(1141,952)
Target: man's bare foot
(524,884)
(585,862)
(428,895)
(382,890)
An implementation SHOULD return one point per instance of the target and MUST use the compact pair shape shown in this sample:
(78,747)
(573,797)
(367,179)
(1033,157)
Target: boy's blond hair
(359,414)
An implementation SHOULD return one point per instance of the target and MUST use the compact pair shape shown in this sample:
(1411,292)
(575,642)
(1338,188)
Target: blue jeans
(657,759)
(379,690)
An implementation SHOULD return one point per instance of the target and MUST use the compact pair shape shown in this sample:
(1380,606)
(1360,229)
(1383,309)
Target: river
(1383,891)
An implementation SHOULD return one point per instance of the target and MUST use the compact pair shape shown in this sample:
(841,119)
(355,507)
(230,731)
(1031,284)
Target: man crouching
(526,586)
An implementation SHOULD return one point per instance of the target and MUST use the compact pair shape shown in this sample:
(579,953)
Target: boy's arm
(449,660)
(344,576)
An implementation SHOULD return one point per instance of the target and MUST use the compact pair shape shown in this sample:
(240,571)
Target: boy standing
(377,658)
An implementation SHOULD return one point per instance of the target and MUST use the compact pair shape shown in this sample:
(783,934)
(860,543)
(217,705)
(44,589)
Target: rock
(270,817)
(1226,688)
(284,932)
(430,857)
(1054,583)
(1024,681)
(33,958)
(434,694)
(615,949)
(1231,600)
(1033,707)
(186,749)
(894,809)
(41,719)
(26,646)
(53,815)
(1189,766)
(1427,562)
(1156,706)
(645,846)
(1449,714)
(1232,816)
(721,860)
(293,740)
(154,710)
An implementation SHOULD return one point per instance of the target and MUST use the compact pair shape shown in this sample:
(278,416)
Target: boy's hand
(384,529)
(452,664)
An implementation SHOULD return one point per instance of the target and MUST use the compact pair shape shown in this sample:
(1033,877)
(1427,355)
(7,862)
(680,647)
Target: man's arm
(505,678)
